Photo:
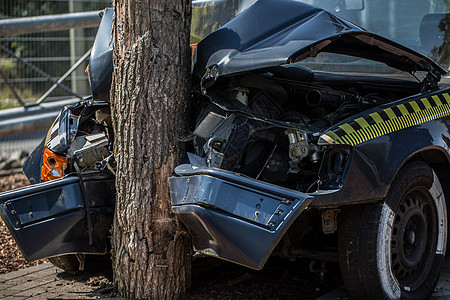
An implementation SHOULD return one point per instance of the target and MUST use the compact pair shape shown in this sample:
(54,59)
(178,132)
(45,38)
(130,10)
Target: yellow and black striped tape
(388,120)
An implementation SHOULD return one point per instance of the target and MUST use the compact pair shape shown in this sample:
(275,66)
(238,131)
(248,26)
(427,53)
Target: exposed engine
(267,125)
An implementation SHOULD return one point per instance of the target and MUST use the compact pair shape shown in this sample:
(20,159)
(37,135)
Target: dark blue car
(312,138)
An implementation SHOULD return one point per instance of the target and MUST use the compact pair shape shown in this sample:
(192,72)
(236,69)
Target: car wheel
(395,249)
(92,263)
(68,263)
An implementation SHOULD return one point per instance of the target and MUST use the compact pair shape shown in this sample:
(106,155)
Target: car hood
(276,32)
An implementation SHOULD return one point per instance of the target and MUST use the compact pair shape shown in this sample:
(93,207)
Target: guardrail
(21,120)
(49,23)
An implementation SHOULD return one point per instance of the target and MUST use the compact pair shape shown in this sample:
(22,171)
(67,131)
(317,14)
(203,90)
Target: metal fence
(51,52)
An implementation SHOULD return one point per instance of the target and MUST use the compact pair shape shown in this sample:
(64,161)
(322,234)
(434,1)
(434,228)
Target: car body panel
(218,204)
(32,166)
(388,118)
(72,214)
(58,209)
(420,122)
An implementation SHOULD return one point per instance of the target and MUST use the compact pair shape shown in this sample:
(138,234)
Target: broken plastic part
(89,149)
(209,123)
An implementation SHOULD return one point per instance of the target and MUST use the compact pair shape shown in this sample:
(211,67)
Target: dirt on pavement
(13,182)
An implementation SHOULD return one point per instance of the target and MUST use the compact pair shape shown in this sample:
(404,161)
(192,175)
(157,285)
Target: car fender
(380,150)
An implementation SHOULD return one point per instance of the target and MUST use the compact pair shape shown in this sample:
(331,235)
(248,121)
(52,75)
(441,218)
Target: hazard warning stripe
(389,120)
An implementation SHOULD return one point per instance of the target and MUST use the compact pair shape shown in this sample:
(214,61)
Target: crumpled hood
(101,61)
(276,32)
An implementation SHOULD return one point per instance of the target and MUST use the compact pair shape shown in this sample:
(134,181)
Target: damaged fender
(232,216)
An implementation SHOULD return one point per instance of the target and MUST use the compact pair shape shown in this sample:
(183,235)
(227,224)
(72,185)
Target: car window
(422,25)
(344,64)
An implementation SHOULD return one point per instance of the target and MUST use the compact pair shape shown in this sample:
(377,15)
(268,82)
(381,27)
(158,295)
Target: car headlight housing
(53,165)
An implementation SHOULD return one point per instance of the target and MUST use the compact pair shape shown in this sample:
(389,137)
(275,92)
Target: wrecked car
(67,212)
(318,139)
(313,138)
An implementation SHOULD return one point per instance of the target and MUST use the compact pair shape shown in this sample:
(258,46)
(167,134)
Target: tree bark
(149,99)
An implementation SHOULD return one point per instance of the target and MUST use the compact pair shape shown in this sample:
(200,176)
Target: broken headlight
(53,165)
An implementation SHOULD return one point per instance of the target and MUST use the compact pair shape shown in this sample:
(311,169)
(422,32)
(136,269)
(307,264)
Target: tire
(68,263)
(395,249)
(92,263)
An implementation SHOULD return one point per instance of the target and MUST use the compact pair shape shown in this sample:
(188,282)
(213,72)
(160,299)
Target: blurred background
(31,62)
(52,52)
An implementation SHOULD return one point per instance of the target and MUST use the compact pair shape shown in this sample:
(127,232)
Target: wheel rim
(413,241)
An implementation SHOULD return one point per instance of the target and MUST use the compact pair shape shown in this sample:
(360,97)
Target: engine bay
(266,125)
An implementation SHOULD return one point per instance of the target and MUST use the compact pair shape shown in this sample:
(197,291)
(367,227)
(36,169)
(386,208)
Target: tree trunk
(149,99)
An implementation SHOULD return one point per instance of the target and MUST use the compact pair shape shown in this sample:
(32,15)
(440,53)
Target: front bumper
(232,216)
(50,219)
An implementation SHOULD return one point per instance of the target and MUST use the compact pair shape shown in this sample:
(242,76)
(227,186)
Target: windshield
(210,15)
(422,25)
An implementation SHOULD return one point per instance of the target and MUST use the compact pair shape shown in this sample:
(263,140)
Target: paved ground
(45,281)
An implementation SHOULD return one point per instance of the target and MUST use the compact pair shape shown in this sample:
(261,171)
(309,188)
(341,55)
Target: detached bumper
(50,219)
(231,216)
